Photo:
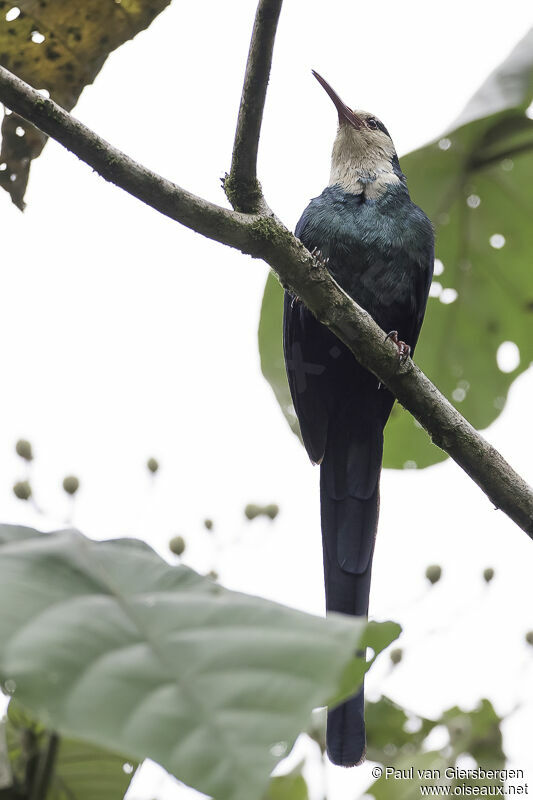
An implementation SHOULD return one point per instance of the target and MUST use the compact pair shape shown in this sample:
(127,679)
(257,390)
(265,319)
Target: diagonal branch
(263,236)
(200,215)
(241,185)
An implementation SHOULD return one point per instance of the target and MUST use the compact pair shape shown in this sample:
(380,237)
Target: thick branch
(241,185)
(262,236)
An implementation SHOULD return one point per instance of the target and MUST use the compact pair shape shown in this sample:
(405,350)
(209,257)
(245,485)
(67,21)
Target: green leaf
(476,732)
(388,736)
(106,643)
(6,776)
(291,786)
(271,349)
(402,748)
(401,786)
(86,772)
(81,771)
(60,46)
(376,636)
(479,185)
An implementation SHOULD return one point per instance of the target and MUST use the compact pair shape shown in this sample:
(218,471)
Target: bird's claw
(404,350)
(321,261)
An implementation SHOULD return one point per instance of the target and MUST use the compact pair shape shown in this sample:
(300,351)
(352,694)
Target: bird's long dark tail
(349,494)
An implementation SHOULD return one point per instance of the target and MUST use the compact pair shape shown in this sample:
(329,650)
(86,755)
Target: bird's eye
(372,123)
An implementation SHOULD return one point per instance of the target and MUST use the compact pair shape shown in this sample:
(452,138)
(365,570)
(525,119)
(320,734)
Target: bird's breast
(375,248)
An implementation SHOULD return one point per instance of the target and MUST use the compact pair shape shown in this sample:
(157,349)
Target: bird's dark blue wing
(307,349)
(305,360)
(382,255)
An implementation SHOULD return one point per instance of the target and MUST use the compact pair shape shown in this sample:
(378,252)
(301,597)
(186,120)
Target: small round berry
(272,510)
(177,545)
(23,448)
(252,511)
(488,574)
(396,655)
(71,484)
(434,573)
(22,490)
(153,465)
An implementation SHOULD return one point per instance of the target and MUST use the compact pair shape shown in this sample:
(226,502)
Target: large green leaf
(81,771)
(105,642)
(474,182)
(60,46)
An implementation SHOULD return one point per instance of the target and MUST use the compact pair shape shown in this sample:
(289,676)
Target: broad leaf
(60,46)
(475,184)
(105,642)
(80,771)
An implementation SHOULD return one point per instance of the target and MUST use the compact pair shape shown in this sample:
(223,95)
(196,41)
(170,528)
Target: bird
(378,245)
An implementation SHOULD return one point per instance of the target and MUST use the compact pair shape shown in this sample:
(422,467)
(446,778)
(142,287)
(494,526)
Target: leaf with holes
(474,182)
(59,46)
(106,643)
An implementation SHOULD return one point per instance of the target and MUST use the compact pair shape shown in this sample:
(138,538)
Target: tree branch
(241,185)
(263,236)
(200,215)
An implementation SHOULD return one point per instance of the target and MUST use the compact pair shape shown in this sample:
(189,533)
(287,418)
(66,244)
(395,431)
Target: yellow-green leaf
(59,46)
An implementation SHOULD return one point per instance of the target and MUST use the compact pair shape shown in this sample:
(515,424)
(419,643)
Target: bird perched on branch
(378,245)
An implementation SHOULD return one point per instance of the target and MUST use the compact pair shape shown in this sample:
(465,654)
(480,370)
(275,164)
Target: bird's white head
(364,159)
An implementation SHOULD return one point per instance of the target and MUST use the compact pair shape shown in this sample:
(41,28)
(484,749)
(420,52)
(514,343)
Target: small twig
(241,185)
(263,236)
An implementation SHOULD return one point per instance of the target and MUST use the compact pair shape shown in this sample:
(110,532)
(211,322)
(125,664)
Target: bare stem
(242,186)
(263,236)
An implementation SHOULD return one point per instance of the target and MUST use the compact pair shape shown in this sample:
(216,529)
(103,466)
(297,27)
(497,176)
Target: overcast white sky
(126,336)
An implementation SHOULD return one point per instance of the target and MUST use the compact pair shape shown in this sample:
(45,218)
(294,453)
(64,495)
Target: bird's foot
(295,299)
(320,259)
(403,349)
